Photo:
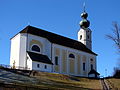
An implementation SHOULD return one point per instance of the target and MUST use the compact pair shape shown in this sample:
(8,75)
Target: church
(37,49)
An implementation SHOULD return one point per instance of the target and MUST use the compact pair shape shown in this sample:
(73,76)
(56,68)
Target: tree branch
(116,35)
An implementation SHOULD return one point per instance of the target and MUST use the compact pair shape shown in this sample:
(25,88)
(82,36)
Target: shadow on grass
(39,87)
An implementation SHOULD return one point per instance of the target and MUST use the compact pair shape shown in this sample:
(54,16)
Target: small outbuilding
(93,74)
(40,62)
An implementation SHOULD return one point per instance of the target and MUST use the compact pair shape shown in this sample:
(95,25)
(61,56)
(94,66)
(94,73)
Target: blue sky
(62,17)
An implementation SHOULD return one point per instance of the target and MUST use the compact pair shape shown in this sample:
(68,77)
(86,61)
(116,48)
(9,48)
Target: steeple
(84,23)
(84,34)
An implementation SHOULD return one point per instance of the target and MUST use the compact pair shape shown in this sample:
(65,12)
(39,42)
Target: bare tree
(115,37)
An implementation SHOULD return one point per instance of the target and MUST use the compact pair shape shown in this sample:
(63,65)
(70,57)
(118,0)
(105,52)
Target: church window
(56,60)
(88,36)
(45,66)
(80,37)
(91,59)
(71,56)
(91,66)
(35,48)
(83,66)
(38,65)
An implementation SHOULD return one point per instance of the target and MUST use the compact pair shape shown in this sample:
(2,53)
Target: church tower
(84,34)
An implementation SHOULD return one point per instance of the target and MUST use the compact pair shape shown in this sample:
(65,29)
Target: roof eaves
(53,41)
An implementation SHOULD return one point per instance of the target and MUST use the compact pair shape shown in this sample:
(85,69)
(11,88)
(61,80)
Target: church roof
(93,72)
(39,58)
(57,39)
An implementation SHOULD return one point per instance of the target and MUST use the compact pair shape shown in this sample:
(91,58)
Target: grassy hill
(67,82)
(114,83)
(44,80)
(60,81)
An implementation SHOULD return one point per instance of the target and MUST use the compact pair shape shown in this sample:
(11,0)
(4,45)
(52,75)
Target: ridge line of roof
(26,30)
(53,33)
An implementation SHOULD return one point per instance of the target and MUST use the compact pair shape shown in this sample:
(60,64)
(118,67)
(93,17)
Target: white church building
(37,49)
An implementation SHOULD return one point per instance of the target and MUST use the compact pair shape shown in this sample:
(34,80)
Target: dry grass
(67,82)
(114,83)
(51,81)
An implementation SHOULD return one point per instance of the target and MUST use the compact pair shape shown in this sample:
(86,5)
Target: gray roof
(57,39)
(93,72)
(39,58)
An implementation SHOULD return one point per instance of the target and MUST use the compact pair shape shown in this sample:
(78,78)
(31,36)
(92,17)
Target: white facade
(84,36)
(45,45)
(75,52)
(93,76)
(18,50)
(15,45)
(41,66)
(33,65)
(79,64)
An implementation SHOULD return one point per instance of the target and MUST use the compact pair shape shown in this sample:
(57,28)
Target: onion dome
(84,23)
(84,15)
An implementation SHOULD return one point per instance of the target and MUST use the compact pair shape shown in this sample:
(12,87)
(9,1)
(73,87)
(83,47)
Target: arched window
(35,48)
(83,66)
(91,66)
(88,36)
(80,37)
(91,59)
(38,65)
(71,56)
(45,66)
(56,60)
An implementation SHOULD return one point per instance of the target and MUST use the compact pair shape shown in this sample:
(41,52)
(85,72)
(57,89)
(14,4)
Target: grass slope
(59,81)
(114,83)
(44,80)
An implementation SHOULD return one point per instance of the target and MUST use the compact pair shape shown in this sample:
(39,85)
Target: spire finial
(84,6)
(84,23)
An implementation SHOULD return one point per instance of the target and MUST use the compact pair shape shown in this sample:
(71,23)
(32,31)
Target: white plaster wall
(81,68)
(94,63)
(18,53)
(76,61)
(32,65)
(29,63)
(41,66)
(91,75)
(46,44)
(86,66)
(53,58)
(22,53)
(83,33)
(18,50)
(85,40)
(15,49)
(75,52)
